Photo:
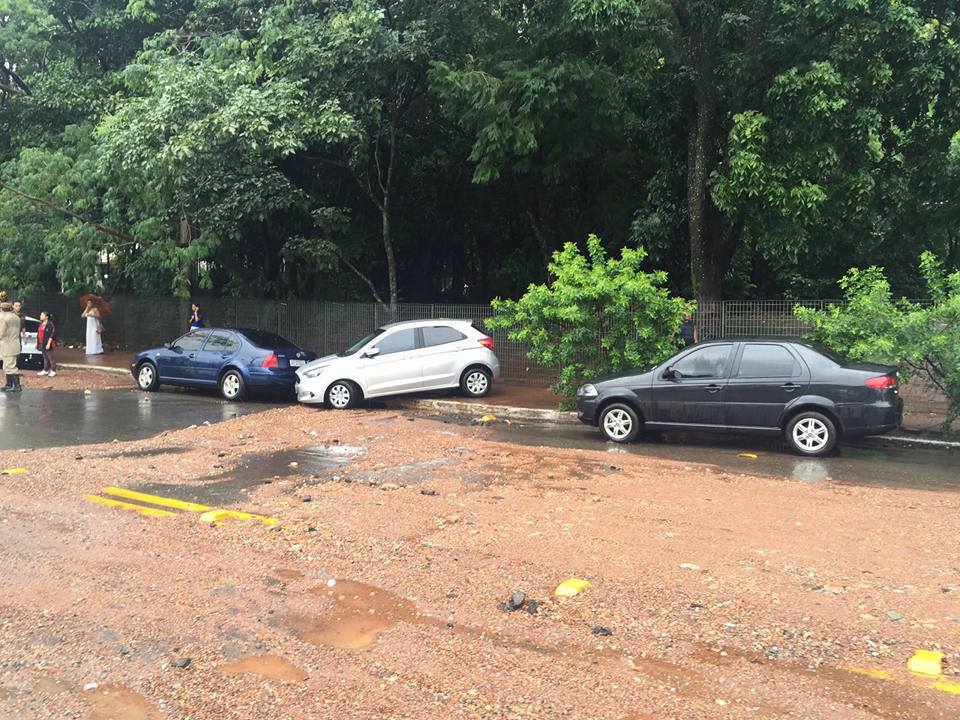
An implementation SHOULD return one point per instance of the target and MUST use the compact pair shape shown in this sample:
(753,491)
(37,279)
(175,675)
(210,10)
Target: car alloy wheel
(231,386)
(811,435)
(340,396)
(145,377)
(617,424)
(476,382)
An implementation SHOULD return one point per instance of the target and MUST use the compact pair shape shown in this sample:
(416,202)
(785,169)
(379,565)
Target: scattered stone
(516,600)
(181,663)
(294,464)
(695,606)
(721,701)
(532,606)
(389,486)
(601,631)
(772,651)
(311,529)
(90,686)
(221,454)
(452,519)
(894,615)
(834,589)
(306,498)
(432,493)
(689,566)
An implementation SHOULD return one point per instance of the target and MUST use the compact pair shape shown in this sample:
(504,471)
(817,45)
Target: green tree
(596,315)
(923,338)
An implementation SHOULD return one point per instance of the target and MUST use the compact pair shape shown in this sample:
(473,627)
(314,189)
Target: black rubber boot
(6,388)
(16,384)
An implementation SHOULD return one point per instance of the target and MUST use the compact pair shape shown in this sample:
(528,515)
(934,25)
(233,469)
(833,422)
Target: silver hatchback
(400,358)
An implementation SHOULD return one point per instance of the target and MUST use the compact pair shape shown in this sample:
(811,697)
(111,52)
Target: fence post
(723,318)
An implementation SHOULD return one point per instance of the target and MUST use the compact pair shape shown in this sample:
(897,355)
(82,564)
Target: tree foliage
(443,150)
(923,338)
(596,315)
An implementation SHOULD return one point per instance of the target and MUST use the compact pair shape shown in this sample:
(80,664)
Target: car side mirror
(167,346)
(372,352)
(670,374)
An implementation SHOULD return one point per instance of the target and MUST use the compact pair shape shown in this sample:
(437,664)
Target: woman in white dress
(94,328)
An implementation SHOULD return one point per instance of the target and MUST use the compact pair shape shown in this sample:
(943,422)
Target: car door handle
(192,355)
(790,386)
(714,388)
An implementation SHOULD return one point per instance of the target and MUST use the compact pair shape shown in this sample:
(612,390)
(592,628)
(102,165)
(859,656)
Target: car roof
(757,338)
(426,323)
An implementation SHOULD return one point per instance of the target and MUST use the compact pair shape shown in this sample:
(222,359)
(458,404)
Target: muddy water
(115,702)
(229,486)
(273,667)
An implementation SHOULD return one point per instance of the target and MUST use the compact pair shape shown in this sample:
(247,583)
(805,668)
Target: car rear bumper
(282,380)
(875,418)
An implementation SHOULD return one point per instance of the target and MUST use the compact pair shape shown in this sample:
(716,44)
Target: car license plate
(296,363)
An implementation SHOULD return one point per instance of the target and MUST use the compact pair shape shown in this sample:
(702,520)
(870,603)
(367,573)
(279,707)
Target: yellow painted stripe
(221,515)
(155,499)
(149,512)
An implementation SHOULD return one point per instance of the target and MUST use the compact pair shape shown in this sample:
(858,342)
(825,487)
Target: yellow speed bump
(148,511)
(155,499)
(13,471)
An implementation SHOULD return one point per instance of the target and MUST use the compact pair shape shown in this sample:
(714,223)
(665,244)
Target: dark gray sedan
(758,386)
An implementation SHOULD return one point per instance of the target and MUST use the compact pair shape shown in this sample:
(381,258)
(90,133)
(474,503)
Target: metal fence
(732,318)
(323,327)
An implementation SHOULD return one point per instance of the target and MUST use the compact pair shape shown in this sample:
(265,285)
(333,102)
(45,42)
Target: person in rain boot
(10,346)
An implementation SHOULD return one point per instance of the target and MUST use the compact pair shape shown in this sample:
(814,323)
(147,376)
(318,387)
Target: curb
(454,407)
(98,368)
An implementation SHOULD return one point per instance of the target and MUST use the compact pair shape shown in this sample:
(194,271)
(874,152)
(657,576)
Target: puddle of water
(50,686)
(360,613)
(227,487)
(115,702)
(273,667)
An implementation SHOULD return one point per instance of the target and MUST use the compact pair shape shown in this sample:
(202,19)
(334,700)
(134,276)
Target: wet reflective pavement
(50,418)
(867,463)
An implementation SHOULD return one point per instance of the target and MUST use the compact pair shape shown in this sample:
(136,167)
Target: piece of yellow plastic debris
(13,471)
(569,588)
(751,456)
(488,418)
(926,662)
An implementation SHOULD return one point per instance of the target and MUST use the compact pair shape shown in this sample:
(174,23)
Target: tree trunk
(388,250)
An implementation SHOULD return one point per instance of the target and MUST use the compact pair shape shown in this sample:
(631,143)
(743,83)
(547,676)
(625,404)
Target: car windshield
(264,339)
(360,343)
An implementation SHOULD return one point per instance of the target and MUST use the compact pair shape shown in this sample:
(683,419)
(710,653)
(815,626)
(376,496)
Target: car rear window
(264,339)
(441,335)
(767,361)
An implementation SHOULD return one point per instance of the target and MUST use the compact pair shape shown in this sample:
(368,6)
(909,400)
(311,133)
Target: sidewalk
(112,362)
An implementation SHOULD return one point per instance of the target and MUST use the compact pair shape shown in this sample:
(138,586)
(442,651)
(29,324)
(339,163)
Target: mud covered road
(370,580)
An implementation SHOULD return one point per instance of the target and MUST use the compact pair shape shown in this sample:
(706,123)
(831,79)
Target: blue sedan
(234,360)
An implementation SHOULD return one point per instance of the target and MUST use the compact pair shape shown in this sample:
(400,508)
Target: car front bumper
(311,391)
(587,410)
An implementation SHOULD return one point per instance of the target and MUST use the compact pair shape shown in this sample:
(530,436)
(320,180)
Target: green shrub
(923,339)
(596,315)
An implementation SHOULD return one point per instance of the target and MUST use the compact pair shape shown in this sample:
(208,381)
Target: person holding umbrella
(94,308)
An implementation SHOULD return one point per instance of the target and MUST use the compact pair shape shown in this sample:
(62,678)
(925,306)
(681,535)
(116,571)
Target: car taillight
(487,342)
(881,383)
(270,361)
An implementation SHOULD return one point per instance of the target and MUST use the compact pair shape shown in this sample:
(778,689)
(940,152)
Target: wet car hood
(319,363)
(618,377)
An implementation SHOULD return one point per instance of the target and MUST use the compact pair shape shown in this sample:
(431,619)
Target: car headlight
(314,372)
(587,391)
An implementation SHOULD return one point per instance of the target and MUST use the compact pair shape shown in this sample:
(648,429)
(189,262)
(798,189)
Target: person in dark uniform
(689,332)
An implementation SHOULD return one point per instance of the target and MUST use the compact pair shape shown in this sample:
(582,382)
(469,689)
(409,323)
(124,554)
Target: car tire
(811,434)
(147,378)
(620,423)
(232,386)
(475,382)
(342,395)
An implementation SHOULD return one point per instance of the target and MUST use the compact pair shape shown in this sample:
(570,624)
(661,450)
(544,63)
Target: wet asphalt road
(45,418)
(870,462)
(51,418)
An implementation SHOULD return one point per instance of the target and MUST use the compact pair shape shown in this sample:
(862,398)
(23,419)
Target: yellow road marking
(155,499)
(150,512)
(221,515)
(13,471)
